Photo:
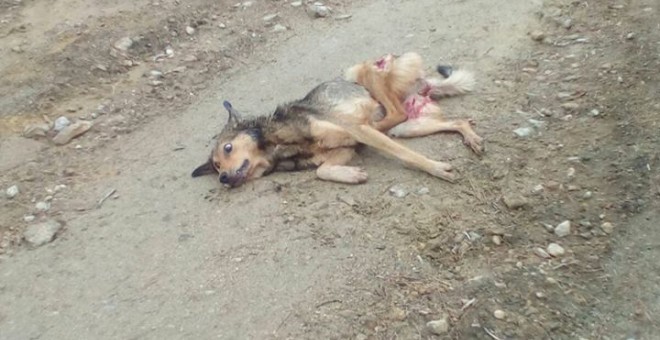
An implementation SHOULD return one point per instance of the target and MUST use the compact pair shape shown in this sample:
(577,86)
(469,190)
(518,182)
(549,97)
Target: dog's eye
(228,147)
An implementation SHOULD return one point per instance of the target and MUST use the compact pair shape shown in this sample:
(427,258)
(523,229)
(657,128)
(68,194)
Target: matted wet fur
(322,129)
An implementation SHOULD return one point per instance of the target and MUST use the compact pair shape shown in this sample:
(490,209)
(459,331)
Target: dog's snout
(224,178)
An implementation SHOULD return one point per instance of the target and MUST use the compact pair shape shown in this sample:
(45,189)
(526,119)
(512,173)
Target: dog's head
(238,155)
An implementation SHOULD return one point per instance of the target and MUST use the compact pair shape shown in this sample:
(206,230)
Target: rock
(587,195)
(540,295)
(39,234)
(123,44)
(497,240)
(222,25)
(440,326)
(12,191)
(423,191)
(36,130)
(607,227)
(567,23)
(279,28)
(155,74)
(318,10)
(540,252)
(190,30)
(537,35)
(499,314)
(270,17)
(398,191)
(42,206)
(563,229)
(555,250)
(72,131)
(536,123)
(552,185)
(570,106)
(594,113)
(548,227)
(523,132)
(570,173)
(537,189)
(630,36)
(514,201)
(343,17)
(296,4)
(190,58)
(60,123)
(29,218)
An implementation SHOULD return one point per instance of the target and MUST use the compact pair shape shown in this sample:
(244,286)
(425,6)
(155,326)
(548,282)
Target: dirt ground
(146,252)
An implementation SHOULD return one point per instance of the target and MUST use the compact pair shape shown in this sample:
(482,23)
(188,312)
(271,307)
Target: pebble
(279,28)
(72,131)
(155,74)
(61,123)
(123,44)
(570,106)
(222,25)
(570,173)
(398,191)
(42,206)
(540,295)
(594,113)
(555,250)
(497,240)
(536,123)
(440,326)
(523,132)
(29,218)
(318,10)
(548,227)
(36,130)
(567,23)
(270,17)
(499,314)
(190,30)
(630,36)
(540,252)
(537,35)
(39,234)
(343,17)
(563,229)
(423,191)
(607,227)
(12,191)
(537,189)
(587,195)
(296,4)
(513,201)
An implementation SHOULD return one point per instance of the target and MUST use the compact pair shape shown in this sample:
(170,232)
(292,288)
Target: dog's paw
(444,171)
(475,143)
(342,174)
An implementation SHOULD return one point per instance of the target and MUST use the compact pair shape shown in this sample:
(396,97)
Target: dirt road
(288,256)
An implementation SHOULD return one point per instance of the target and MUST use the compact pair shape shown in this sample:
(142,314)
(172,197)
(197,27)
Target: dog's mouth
(240,175)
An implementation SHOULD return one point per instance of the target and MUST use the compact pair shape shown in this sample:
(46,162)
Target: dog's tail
(457,82)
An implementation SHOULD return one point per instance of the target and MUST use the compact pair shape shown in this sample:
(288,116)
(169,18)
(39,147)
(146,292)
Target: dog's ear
(204,169)
(234,116)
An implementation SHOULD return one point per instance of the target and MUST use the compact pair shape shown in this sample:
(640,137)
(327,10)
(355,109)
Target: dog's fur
(323,129)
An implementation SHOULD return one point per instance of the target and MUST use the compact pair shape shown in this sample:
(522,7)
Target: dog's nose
(224,178)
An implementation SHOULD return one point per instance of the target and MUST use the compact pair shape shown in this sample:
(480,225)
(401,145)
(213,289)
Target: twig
(491,334)
(327,303)
(110,193)
(468,304)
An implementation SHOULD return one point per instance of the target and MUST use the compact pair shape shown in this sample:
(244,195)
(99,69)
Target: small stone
(155,74)
(72,131)
(587,195)
(607,227)
(190,30)
(523,132)
(537,189)
(42,206)
(222,25)
(514,201)
(123,44)
(551,280)
(190,58)
(29,218)
(296,4)
(343,17)
(555,250)
(594,113)
(61,123)
(563,229)
(537,35)
(630,36)
(497,240)
(39,234)
(279,28)
(548,227)
(540,295)
(567,23)
(570,173)
(17,49)
(499,314)
(12,191)
(398,191)
(270,17)
(536,123)
(552,185)
(570,106)
(318,10)
(423,191)
(36,130)
(440,326)
(540,252)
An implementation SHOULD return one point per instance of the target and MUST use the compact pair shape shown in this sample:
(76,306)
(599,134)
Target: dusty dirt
(288,256)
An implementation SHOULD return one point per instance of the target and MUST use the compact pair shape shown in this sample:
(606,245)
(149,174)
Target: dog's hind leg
(334,169)
(424,126)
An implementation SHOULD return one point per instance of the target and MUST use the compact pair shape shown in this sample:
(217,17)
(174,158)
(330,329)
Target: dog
(323,129)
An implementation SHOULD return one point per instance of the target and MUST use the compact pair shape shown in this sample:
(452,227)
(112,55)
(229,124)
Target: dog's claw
(445,70)
(227,105)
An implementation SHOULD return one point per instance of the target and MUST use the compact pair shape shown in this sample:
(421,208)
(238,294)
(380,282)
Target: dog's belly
(329,136)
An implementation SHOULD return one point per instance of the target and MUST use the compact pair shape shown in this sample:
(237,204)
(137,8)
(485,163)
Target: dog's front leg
(333,167)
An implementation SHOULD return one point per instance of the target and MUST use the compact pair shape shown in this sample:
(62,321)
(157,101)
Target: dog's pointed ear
(204,169)
(234,116)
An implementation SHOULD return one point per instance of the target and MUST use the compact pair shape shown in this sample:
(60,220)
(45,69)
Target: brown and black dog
(323,129)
